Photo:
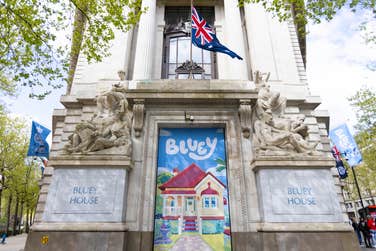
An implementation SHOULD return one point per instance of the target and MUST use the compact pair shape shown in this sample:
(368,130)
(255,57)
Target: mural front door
(191,201)
(190,206)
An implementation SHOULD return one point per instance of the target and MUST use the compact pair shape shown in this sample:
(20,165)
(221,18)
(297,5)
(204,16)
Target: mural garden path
(191,243)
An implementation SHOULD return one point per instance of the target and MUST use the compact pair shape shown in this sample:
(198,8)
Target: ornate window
(177,46)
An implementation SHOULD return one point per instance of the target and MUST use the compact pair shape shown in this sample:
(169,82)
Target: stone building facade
(99,191)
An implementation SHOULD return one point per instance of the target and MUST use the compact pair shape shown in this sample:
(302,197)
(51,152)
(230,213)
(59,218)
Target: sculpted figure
(296,126)
(267,101)
(109,127)
(279,139)
(82,138)
(114,131)
(273,133)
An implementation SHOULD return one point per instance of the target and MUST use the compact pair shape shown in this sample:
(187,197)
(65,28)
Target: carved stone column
(245,114)
(143,65)
(138,116)
(237,69)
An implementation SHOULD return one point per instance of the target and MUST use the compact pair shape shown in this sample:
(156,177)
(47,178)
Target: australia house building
(152,152)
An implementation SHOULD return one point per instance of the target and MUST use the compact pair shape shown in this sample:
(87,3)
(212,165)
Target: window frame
(210,199)
(170,34)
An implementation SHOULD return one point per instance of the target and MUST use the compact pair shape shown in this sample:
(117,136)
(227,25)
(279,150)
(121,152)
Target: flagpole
(360,196)
(190,52)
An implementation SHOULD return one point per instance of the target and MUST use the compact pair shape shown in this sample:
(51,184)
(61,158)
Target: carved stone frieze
(138,120)
(245,114)
(108,131)
(188,67)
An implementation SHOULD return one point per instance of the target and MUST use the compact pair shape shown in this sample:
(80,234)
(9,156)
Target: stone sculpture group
(273,133)
(108,128)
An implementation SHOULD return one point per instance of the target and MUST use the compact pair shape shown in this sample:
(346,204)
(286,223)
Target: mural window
(206,202)
(177,45)
(213,202)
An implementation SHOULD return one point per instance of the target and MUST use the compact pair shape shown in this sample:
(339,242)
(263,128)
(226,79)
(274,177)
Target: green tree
(19,180)
(12,147)
(315,10)
(221,164)
(364,102)
(30,55)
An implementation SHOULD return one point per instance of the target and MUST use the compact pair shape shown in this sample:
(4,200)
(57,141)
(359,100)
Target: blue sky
(337,57)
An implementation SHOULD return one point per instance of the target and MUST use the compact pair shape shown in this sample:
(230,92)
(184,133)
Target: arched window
(177,46)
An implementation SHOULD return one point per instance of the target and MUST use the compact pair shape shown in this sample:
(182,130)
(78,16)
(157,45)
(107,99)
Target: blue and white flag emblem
(346,144)
(38,145)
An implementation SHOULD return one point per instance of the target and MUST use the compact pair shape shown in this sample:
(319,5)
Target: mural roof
(188,178)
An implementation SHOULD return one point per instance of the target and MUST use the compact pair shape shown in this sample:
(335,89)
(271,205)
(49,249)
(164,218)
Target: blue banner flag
(346,144)
(38,144)
(203,36)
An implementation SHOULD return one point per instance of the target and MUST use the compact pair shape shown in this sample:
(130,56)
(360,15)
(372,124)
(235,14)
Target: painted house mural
(191,200)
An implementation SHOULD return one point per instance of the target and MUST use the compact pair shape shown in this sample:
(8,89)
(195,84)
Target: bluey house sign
(85,195)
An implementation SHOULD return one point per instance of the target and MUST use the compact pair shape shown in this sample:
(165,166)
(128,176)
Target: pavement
(14,243)
(191,243)
(17,243)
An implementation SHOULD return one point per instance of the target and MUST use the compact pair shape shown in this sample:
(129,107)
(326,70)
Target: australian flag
(203,36)
(38,144)
(339,164)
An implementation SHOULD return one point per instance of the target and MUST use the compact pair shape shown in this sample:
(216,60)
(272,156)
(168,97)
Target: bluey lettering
(197,150)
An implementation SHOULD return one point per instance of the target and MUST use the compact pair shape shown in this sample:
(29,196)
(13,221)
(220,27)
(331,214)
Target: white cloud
(163,170)
(213,170)
(337,64)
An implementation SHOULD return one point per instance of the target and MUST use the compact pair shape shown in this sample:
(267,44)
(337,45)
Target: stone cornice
(80,227)
(304,227)
(299,162)
(106,161)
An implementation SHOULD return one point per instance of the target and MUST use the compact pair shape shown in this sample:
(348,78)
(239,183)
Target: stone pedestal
(85,206)
(307,241)
(299,207)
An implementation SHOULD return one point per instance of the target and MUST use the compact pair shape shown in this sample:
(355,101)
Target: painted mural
(192,210)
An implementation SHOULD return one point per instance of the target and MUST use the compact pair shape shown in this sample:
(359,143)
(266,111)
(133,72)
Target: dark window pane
(175,15)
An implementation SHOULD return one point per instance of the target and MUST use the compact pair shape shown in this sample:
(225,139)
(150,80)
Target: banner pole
(190,52)
(357,187)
